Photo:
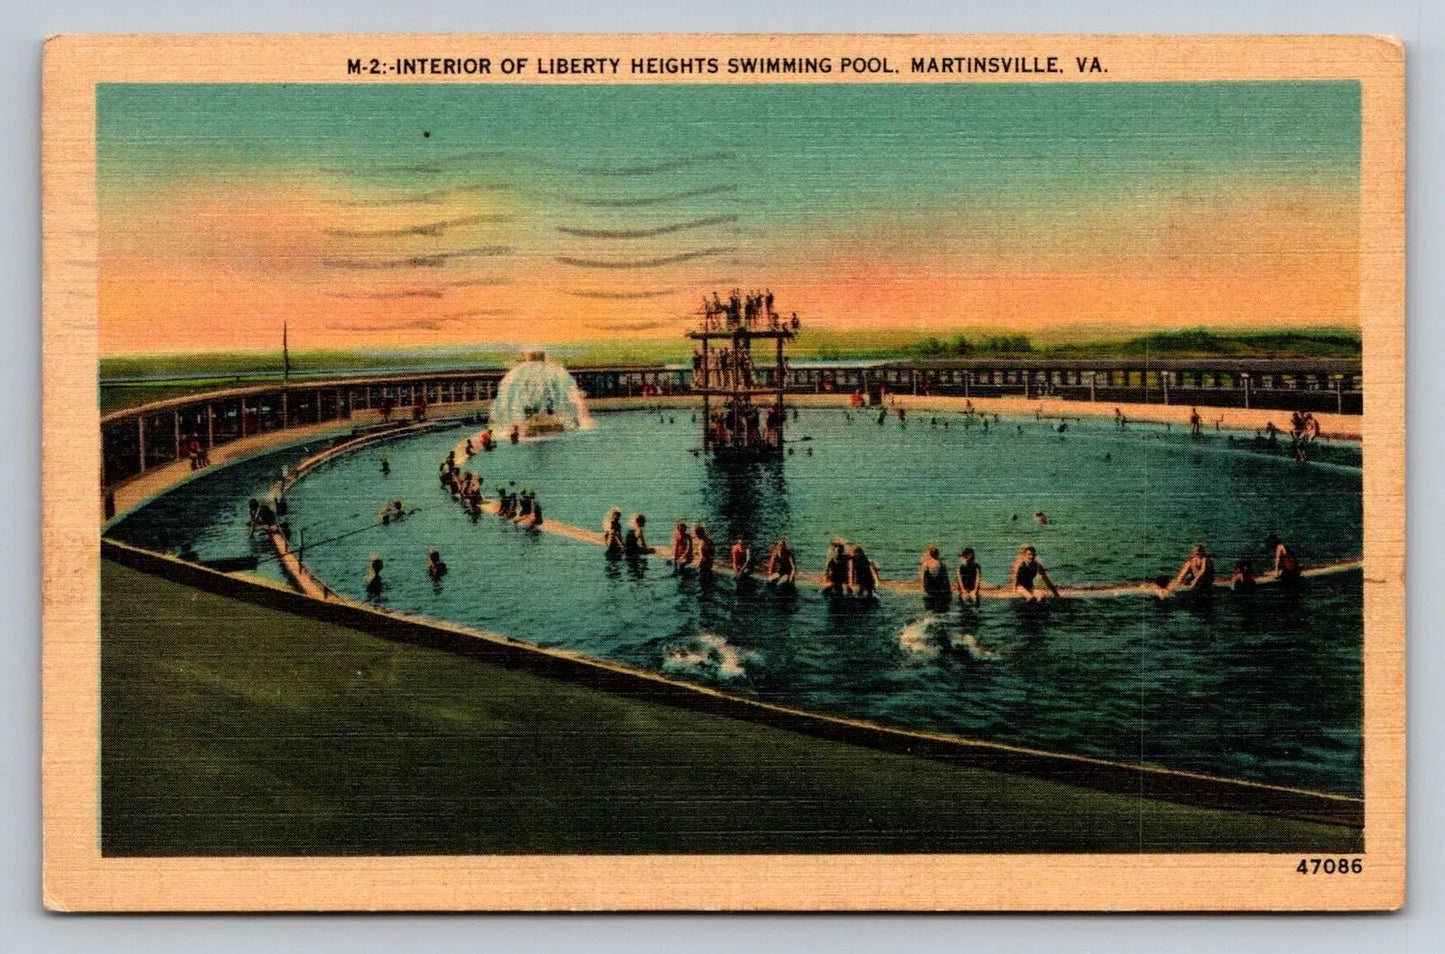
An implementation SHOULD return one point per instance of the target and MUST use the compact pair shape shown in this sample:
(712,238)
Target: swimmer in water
(1025,571)
(703,548)
(435,568)
(682,545)
(1243,581)
(373,579)
(782,566)
(1286,565)
(385,465)
(835,570)
(862,574)
(741,557)
(635,543)
(969,577)
(1041,518)
(1197,573)
(934,577)
(612,533)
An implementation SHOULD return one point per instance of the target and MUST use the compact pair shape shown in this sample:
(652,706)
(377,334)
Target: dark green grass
(229,729)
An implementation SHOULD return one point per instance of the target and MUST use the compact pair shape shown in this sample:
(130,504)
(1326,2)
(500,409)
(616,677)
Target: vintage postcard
(724,472)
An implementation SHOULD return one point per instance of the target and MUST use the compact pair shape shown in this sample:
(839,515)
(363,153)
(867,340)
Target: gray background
(24,926)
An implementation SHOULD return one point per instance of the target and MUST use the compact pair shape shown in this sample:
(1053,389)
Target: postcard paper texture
(723,472)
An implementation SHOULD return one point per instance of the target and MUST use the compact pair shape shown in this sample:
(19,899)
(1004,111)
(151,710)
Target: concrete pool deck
(266,732)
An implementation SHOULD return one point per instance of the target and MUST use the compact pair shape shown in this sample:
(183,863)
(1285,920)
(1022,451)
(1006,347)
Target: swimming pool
(1264,686)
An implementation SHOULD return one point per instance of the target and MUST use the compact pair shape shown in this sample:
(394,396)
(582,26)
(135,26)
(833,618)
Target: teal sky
(808,143)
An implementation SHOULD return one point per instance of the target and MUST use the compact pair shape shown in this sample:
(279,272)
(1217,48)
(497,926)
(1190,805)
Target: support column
(285,413)
(1246,390)
(779,374)
(176,420)
(210,427)
(140,431)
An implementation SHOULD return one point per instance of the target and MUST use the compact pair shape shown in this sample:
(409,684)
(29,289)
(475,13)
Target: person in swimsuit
(934,577)
(612,533)
(373,579)
(435,568)
(635,543)
(782,567)
(1243,581)
(264,517)
(681,545)
(862,574)
(1286,565)
(1026,570)
(835,570)
(1197,573)
(703,549)
(741,557)
(970,577)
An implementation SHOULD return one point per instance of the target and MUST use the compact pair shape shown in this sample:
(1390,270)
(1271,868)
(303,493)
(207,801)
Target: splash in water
(709,652)
(540,397)
(917,641)
(924,638)
(969,643)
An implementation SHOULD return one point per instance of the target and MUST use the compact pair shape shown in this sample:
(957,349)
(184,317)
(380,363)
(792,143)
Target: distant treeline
(960,347)
(1190,342)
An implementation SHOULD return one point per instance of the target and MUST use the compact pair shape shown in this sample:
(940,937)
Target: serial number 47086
(1330,866)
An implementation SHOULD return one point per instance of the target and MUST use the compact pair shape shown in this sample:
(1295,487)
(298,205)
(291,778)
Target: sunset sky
(424,215)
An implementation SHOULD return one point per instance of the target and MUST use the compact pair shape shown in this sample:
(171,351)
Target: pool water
(1265,686)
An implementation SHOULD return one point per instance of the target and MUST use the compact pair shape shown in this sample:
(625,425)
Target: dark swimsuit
(863,575)
(1025,575)
(968,574)
(935,584)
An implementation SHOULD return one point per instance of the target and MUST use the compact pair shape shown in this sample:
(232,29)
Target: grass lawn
(230,729)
